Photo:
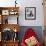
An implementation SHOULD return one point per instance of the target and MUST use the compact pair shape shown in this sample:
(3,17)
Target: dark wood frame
(34,13)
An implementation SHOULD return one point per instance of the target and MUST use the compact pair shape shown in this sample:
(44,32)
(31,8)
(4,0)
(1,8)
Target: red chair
(29,33)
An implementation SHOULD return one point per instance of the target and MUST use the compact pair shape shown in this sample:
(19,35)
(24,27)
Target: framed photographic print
(5,20)
(13,20)
(30,13)
(5,12)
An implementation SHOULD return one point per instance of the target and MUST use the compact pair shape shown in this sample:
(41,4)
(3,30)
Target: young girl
(30,38)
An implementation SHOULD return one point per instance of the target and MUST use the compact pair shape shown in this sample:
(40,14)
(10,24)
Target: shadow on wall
(37,29)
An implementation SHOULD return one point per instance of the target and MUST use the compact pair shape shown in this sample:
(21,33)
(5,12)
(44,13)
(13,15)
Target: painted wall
(39,12)
(26,3)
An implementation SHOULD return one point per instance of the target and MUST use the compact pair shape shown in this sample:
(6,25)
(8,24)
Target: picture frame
(30,13)
(10,20)
(13,12)
(13,20)
(5,12)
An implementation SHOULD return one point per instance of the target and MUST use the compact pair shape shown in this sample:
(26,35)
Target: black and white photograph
(30,13)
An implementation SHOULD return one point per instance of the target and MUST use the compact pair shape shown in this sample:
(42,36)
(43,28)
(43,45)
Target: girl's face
(31,41)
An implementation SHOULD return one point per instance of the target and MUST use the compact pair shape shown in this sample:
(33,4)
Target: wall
(26,3)
(39,12)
